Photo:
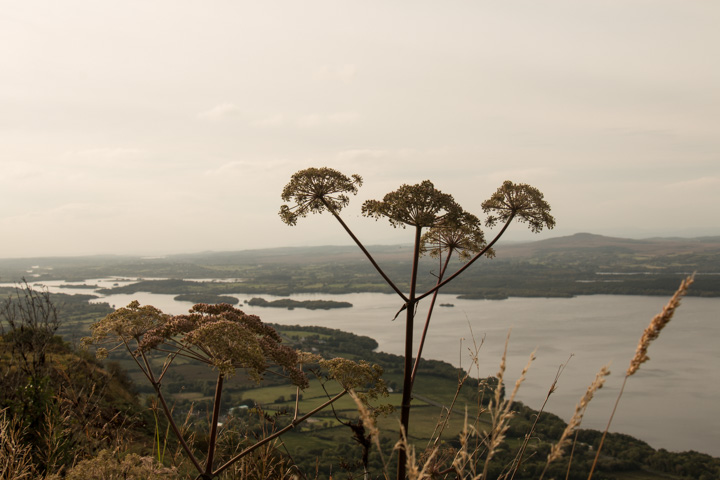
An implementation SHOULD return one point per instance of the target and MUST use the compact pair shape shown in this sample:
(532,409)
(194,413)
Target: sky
(171,126)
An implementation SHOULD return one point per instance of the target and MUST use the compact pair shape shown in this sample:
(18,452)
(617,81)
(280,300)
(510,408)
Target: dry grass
(658,322)
(15,456)
(557,450)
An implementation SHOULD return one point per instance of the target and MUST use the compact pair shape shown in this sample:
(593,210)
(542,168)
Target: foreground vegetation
(87,416)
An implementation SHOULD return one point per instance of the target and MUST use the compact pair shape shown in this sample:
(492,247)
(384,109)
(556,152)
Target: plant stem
(472,260)
(602,439)
(273,436)
(367,254)
(445,421)
(168,414)
(214,425)
(408,366)
(427,320)
(552,389)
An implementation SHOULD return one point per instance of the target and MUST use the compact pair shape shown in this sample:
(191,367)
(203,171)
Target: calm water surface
(670,402)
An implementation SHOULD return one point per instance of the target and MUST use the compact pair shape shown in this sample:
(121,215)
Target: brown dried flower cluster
(420,205)
(465,238)
(124,325)
(357,376)
(520,201)
(219,335)
(314,190)
(656,324)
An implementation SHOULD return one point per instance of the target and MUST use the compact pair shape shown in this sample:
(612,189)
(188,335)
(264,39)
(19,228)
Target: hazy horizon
(156,128)
(506,241)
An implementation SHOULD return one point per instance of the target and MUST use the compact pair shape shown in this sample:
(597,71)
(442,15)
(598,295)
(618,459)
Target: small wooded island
(206,298)
(291,304)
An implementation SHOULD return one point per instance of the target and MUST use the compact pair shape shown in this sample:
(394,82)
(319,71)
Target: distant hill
(342,253)
(598,243)
(563,266)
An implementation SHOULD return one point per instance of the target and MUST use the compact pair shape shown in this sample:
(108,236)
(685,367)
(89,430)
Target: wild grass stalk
(15,455)
(462,378)
(557,450)
(528,435)
(501,410)
(651,333)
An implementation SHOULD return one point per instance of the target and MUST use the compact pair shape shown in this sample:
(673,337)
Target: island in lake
(206,298)
(291,304)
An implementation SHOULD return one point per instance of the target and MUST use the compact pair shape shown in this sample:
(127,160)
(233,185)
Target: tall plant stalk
(427,319)
(420,206)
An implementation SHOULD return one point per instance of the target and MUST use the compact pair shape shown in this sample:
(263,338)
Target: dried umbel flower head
(420,205)
(221,336)
(656,324)
(464,237)
(125,324)
(314,190)
(226,338)
(520,201)
(357,376)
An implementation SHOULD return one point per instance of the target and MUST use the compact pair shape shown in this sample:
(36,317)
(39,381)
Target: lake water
(670,402)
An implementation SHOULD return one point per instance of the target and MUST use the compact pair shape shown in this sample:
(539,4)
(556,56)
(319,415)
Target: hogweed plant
(448,229)
(225,339)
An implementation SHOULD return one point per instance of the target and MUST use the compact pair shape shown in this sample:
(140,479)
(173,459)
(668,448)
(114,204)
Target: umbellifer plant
(225,339)
(423,208)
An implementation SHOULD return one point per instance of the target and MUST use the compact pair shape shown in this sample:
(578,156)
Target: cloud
(343,117)
(364,153)
(20,171)
(316,120)
(344,73)
(219,111)
(310,120)
(270,121)
(236,168)
(520,175)
(81,210)
(106,154)
(701,183)
(49,214)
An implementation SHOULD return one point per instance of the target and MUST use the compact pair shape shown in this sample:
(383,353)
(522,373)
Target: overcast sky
(155,127)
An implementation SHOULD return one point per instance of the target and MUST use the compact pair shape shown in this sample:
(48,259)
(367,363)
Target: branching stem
(470,262)
(427,320)
(408,364)
(365,251)
(214,426)
(273,436)
(168,414)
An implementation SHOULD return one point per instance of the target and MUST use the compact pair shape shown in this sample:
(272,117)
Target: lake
(667,403)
